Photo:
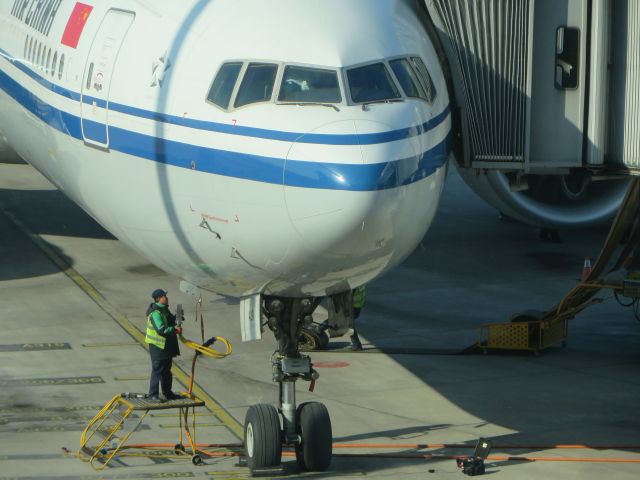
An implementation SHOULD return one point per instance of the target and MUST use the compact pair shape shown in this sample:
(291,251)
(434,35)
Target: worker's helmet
(157,293)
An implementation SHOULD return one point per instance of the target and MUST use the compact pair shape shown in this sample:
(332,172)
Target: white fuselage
(281,198)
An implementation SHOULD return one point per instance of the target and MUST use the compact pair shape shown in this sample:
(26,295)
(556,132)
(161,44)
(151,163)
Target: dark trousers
(355,339)
(160,375)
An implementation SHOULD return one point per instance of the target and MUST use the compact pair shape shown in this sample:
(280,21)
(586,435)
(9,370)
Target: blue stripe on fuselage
(359,177)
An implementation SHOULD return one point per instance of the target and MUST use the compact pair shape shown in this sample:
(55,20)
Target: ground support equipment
(551,327)
(108,432)
(534,335)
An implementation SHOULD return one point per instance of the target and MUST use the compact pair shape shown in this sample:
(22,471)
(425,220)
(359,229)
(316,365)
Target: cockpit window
(407,78)
(371,83)
(222,87)
(303,84)
(257,84)
(425,78)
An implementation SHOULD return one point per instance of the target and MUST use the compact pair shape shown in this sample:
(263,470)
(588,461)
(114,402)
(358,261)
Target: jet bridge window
(257,84)
(425,78)
(313,85)
(371,83)
(222,86)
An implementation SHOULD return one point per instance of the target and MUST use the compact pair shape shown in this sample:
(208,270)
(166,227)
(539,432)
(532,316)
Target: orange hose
(171,445)
(419,446)
(492,457)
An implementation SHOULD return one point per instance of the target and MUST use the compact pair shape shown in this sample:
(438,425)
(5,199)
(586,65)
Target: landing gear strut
(306,427)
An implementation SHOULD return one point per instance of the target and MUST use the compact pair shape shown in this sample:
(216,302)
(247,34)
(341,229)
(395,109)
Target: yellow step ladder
(107,433)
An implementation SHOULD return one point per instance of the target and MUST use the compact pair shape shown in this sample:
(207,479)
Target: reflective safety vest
(358,297)
(153,337)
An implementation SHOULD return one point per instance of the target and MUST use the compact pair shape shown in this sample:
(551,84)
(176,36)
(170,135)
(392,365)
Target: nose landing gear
(306,427)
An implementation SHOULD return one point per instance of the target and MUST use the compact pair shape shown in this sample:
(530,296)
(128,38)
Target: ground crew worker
(163,345)
(358,302)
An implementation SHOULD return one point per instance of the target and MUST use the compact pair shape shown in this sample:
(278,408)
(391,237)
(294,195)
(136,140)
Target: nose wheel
(307,427)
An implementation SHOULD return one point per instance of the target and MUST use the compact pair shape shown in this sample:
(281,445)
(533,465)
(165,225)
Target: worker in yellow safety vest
(358,295)
(163,346)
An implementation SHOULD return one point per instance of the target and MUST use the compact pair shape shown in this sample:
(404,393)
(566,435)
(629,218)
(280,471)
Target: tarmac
(73,299)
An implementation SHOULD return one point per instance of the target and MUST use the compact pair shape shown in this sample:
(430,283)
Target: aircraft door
(98,75)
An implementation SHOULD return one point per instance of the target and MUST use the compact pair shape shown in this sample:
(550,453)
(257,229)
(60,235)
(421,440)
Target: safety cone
(586,269)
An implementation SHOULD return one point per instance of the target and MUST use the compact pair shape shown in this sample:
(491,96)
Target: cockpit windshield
(242,83)
(222,87)
(371,83)
(309,85)
(257,84)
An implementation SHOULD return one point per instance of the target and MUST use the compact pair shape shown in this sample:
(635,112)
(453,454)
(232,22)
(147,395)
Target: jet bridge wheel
(314,428)
(262,437)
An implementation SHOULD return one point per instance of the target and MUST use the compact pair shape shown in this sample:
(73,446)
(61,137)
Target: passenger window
(301,84)
(425,78)
(257,84)
(222,87)
(61,67)
(371,83)
(54,64)
(407,78)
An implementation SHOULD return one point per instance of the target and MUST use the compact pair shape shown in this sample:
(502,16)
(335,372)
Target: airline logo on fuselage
(38,14)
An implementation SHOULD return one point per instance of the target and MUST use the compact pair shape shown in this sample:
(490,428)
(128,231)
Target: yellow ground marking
(101,345)
(232,424)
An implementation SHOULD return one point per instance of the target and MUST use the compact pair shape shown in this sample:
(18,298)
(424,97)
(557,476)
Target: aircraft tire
(262,437)
(313,338)
(314,427)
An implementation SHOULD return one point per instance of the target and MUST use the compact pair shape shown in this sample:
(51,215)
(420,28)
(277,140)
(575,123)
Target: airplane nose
(339,188)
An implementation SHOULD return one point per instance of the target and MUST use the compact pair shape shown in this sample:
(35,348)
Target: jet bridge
(547,101)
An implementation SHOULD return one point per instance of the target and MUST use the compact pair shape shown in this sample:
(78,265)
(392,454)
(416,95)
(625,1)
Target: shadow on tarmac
(55,213)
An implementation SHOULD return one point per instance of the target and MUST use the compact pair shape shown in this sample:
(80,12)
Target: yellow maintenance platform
(108,433)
